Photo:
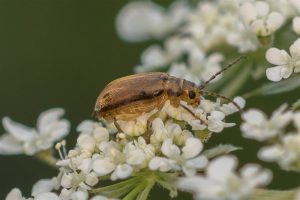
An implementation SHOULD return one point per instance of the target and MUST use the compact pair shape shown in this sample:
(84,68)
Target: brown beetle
(128,97)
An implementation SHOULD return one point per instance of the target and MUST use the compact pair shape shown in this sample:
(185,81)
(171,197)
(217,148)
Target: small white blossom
(286,153)
(216,123)
(222,182)
(187,158)
(285,64)
(22,139)
(258,127)
(258,17)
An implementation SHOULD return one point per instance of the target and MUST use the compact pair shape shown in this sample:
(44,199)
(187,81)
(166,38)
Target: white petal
(18,131)
(92,179)
(276,56)
(43,185)
(79,195)
(262,8)
(296,25)
(160,163)
(46,196)
(192,148)
(135,157)
(9,145)
(274,21)
(217,115)
(48,117)
(286,71)
(86,142)
(198,163)
(103,167)
(121,172)
(169,149)
(255,175)
(254,117)
(14,194)
(274,73)
(295,49)
(248,13)
(58,130)
(138,21)
(221,168)
(101,134)
(67,180)
(85,165)
(86,126)
(154,56)
(270,153)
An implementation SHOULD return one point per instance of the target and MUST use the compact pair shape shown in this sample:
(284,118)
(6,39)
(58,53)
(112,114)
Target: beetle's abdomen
(136,92)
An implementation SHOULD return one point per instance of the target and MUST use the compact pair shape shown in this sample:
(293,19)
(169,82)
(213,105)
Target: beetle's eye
(192,94)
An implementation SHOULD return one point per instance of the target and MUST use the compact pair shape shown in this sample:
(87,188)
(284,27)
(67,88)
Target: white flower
(259,19)
(139,21)
(22,139)
(187,158)
(286,153)
(215,122)
(258,127)
(296,25)
(285,64)
(221,181)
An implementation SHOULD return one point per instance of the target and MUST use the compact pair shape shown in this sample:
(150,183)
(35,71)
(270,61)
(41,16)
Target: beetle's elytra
(128,97)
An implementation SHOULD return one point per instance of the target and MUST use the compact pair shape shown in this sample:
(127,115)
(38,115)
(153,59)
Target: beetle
(128,97)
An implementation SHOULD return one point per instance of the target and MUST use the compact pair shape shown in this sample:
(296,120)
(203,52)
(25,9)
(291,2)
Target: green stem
(131,195)
(47,158)
(262,194)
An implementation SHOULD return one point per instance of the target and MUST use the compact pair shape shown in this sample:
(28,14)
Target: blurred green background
(61,53)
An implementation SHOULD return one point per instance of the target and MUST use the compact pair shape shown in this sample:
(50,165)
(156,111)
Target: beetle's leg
(117,125)
(149,126)
(192,113)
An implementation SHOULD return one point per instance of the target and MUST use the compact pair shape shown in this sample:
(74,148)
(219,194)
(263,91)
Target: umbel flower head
(20,139)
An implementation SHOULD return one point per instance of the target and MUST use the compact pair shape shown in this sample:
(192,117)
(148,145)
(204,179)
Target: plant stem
(47,158)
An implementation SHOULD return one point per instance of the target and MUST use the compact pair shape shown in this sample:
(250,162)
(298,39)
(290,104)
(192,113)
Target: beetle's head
(191,93)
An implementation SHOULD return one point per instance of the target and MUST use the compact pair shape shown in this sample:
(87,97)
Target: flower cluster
(165,146)
(193,35)
(284,147)
(222,182)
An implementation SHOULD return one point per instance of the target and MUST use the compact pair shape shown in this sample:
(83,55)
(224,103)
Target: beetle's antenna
(213,94)
(222,70)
